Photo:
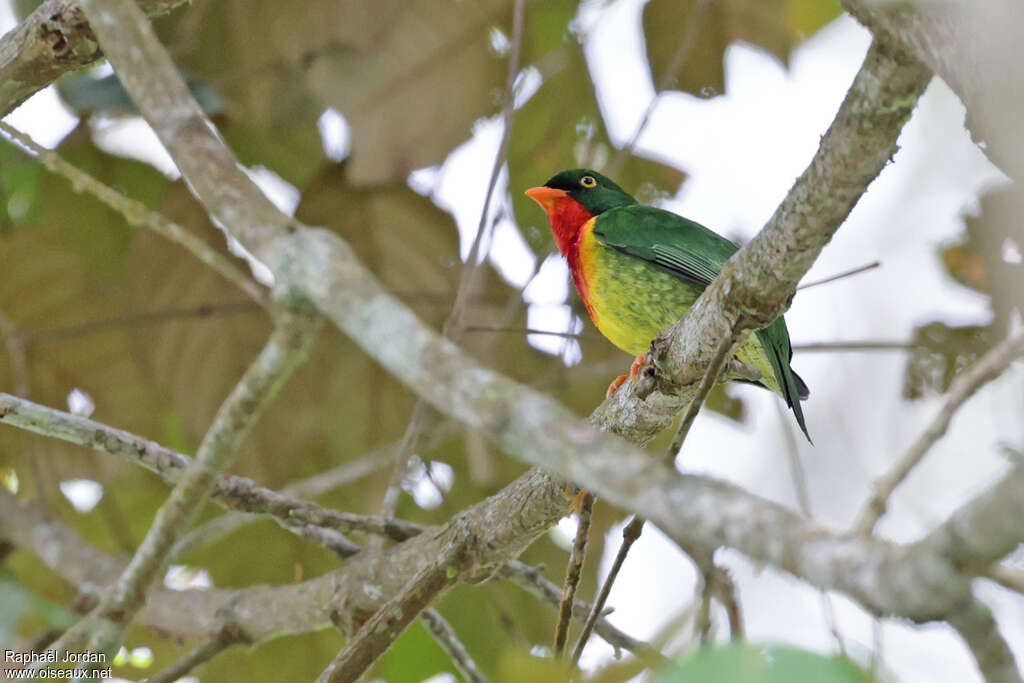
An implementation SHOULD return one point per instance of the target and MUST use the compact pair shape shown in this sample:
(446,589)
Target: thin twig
(987,368)
(103,629)
(381,630)
(406,449)
(707,382)
(840,276)
(803,497)
(532,580)
(449,641)
(311,487)
(196,657)
(230,491)
(453,324)
(1007,577)
(676,64)
(65,332)
(137,214)
(572,574)
(855,346)
(630,533)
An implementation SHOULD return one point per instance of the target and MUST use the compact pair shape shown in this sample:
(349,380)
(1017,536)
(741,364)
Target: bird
(639,268)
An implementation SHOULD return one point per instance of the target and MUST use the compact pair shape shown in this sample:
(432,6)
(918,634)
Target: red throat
(567,217)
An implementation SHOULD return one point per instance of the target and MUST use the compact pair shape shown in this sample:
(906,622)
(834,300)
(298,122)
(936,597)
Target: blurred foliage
(158,340)
(750,663)
(987,258)
(690,58)
(940,352)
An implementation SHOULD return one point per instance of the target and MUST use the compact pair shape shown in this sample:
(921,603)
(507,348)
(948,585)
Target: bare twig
(532,580)
(137,214)
(103,629)
(1007,577)
(66,332)
(667,80)
(855,346)
(839,276)
(987,368)
(311,487)
(630,533)
(196,657)
(453,324)
(380,631)
(449,641)
(707,383)
(803,497)
(573,572)
(232,492)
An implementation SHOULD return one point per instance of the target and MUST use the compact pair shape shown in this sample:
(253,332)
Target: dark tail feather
(801,387)
(793,388)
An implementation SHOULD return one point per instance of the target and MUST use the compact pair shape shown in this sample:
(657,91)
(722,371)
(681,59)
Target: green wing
(694,254)
(686,249)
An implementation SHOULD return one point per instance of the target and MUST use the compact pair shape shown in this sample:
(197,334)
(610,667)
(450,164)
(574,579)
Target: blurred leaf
(940,353)
(20,179)
(561,127)
(18,604)
(518,665)
(773,25)
(748,663)
(398,94)
(987,257)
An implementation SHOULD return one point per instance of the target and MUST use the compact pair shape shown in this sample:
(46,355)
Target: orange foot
(634,370)
(575,500)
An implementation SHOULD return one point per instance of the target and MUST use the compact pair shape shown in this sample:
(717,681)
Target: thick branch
(978,628)
(974,47)
(394,616)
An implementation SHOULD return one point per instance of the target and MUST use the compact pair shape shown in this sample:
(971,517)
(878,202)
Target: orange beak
(546,196)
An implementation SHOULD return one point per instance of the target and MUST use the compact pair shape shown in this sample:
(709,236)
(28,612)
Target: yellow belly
(632,302)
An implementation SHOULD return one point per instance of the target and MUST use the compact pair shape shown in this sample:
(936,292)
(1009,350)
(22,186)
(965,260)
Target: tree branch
(755,287)
(966,384)
(103,629)
(137,214)
(973,48)
(449,641)
(230,491)
(381,630)
(52,41)
(978,628)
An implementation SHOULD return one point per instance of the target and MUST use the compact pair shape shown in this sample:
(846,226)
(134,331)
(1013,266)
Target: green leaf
(748,663)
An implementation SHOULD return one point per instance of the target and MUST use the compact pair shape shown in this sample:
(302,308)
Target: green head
(594,191)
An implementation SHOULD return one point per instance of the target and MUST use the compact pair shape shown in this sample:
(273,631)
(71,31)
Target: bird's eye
(588,181)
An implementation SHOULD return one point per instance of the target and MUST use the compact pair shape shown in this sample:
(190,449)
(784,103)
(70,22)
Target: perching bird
(638,270)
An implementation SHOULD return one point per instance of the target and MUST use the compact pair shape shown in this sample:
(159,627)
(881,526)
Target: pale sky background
(742,152)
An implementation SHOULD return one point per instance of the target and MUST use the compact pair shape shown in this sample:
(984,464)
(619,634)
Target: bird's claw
(639,363)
